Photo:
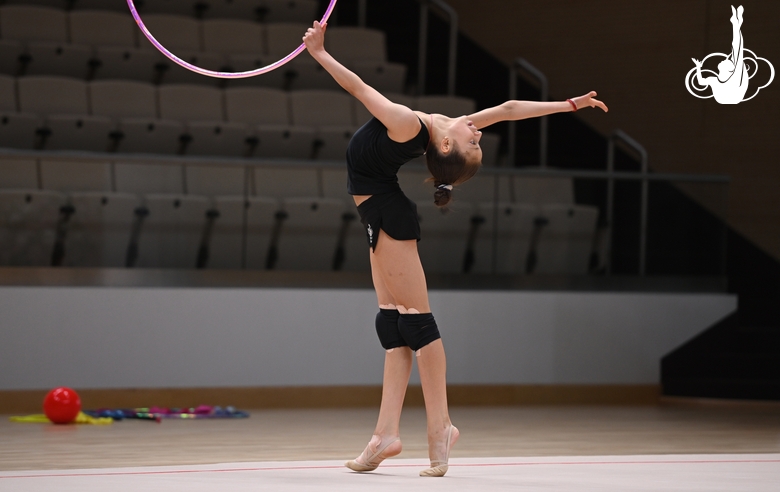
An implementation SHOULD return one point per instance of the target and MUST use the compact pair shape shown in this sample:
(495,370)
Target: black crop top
(373,159)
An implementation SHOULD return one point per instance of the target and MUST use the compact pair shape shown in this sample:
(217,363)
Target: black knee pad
(418,330)
(387,329)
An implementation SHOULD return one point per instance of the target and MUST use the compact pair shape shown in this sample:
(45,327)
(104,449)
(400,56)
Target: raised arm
(520,110)
(401,122)
(704,82)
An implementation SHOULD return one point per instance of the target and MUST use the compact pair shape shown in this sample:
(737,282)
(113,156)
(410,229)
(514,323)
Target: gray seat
(174,31)
(219,138)
(307,74)
(257,106)
(33,23)
(101,28)
(566,241)
(52,95)
(332,142)
(481,189)
(284,182)
(283,37)
(515,228)
(67,60)
(233,36)
(10,53)
(286,11)
(79,132)
(75,176)
(123,99)
(18,174)
(232,9)
(226,247)
(143,179)
(171,234)
(528,189)
(118,62)
(176,103)
(319,108)
(285,141)
(150,136)
(352,44)
(175,7)
(301,73)
(490,143)
(310,233)
(445,235)
(29,219)
(413,183)
(334,184)
(19,130)
(7,93)
(382,76)
(216,180)
(99,230)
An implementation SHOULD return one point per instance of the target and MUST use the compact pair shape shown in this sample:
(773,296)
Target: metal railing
(362,13)
(616,137)
(423,46)
(610,176)
(422,52)
(524,65)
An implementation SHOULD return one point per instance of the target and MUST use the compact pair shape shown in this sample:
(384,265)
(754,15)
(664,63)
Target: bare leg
(402,274)
(398,367)
(433,367)
(736,36)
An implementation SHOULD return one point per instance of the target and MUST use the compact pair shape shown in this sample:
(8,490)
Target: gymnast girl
(405,326)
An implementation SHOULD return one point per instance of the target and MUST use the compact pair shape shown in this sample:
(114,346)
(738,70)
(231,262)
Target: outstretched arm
(521,110)
(401,122)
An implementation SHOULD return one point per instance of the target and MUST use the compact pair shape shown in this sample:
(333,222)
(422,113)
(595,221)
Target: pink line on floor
(336,467)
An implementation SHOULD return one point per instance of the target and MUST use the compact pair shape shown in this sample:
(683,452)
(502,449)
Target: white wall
(178,337)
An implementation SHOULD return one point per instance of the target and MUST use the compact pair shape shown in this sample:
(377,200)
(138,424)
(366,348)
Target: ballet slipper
(439,467)
(374,454)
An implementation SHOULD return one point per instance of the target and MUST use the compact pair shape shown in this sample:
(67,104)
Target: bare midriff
(360,198)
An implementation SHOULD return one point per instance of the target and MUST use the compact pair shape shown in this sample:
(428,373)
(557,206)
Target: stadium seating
(101,28)
(87,79)
(30,23)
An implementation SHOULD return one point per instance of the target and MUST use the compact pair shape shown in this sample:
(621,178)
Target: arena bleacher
(113,156)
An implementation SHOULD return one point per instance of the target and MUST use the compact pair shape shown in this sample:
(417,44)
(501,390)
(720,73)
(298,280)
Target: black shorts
(393,213)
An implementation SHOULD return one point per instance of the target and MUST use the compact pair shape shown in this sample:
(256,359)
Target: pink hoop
(222,75)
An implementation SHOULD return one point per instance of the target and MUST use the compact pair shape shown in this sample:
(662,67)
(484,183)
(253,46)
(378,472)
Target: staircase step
(764,366)
(749,389)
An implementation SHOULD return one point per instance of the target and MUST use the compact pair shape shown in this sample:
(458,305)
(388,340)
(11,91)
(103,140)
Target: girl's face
(467,137)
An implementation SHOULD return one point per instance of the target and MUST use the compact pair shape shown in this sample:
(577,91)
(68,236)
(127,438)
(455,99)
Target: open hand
(589,100)
(314,39)
(697,62)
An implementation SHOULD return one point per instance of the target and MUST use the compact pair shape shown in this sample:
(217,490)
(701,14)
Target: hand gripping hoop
(222,75)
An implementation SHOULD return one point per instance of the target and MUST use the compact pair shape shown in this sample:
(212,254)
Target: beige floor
(300,435)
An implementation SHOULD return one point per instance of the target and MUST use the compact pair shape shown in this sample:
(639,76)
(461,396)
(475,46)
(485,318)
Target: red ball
(62,405)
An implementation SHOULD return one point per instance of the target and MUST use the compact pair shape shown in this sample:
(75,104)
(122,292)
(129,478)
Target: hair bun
(442,195)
